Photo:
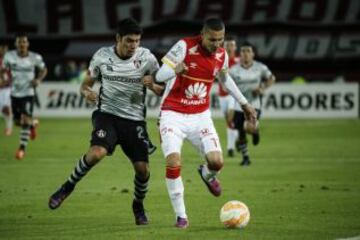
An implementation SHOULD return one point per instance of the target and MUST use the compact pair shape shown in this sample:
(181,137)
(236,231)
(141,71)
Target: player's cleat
(230,153)
(33,132)
(20,154)
(60,195)
(8,132)
(245,161)
(181,223)
(139,213)
(255,138)
(213,184)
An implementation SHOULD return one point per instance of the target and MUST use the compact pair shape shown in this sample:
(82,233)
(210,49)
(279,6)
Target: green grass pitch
(304,183)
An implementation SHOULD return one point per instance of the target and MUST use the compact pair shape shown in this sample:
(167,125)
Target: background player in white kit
(27,70)
(253,78)
(5,89)
(120,115)
(189,69)
(225,97)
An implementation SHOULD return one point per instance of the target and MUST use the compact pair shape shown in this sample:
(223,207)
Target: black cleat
(139,213)
(256,138)
(60,195)
(245,161)
(230,153)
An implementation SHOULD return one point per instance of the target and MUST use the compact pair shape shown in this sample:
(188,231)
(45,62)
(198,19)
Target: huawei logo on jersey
(197,90)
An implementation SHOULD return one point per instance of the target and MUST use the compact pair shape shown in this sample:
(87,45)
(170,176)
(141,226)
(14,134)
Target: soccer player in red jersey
(189,70)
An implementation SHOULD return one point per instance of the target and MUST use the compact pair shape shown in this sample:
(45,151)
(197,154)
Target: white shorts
(5,99)
(224,103)
(197,128)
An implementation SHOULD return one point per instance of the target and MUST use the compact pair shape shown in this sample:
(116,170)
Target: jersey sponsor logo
(121,79)
(101,133)
(195,94)
(193,50)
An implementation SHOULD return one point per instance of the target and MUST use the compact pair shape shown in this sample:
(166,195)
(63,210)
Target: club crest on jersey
(101,133)
(137,63)
(197,90)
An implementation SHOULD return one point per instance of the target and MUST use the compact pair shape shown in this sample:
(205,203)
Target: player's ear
(118,37)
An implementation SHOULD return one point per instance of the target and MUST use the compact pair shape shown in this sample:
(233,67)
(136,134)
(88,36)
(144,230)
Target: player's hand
(148,81)
(90,95)
(250,115)
(259,91)
(36,82)
(181,68)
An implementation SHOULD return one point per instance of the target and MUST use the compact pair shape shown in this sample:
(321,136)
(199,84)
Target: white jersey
(247,80)
(22,71)
(122,92)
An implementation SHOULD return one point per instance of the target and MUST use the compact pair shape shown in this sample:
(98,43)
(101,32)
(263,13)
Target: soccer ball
(235,214)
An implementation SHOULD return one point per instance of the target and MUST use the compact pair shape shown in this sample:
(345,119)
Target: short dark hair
(230,38)
(21,35)
(215,24)
(247,44)
(128,26)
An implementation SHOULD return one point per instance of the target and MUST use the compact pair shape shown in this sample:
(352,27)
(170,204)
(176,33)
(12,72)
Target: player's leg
(5,107)
(171,143)
(25,110)
(231,134)
(103,142)
(35,122)
(239,120)
(135,145)
(256,135)
(206,140)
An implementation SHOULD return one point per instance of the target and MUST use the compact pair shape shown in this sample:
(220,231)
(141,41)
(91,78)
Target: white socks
(207,173)
(176,193)
(232,135)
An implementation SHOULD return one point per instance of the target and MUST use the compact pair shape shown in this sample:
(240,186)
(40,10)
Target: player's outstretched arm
(86,89)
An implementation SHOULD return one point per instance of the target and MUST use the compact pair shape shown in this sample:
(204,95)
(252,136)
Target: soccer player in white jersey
(189,70)
(5,101)
(27,70)
(225,97)
(120,115)
(253,78)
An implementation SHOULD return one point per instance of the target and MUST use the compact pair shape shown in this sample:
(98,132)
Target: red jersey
(232,61)
(190,92)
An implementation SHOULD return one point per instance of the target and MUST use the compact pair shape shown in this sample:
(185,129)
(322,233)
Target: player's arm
(41,75)
(173,63)
(234,91)
(157,88)
(86,89)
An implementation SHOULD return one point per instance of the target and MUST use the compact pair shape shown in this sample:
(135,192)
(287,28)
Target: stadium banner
(283,100)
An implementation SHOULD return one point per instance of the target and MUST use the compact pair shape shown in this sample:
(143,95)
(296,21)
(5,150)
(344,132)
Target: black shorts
(239,119)
(110,130)
(22,105)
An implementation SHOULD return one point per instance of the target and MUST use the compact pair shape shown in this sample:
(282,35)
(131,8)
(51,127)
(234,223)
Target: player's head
(3,49)
(247,52)
(230,46)
(128,37)
(22,43)
(212,34)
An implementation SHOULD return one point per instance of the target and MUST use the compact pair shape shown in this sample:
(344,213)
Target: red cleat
(19,154)
(33,133)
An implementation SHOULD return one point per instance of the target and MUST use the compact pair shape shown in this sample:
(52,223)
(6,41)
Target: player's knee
(215,161)
(173,160)
(95,154)
(142,170)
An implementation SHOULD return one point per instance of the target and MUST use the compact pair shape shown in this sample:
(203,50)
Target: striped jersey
(122,92)
(248,79)
(190,92)
(22,71)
